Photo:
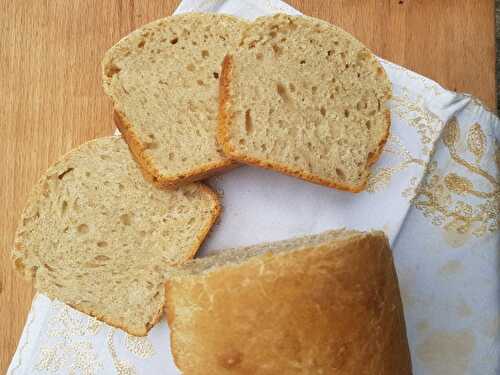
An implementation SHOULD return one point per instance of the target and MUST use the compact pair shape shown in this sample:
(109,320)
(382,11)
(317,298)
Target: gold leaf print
(476,141)
(458,184)
(140,346)
(122,367)
(49,360)
(451,133)
(457,203)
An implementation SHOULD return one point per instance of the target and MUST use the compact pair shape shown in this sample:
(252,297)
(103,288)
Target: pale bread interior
(163,79)
(306,98)
(100,238)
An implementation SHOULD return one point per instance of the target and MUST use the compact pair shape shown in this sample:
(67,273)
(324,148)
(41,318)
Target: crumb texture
(163,78)
(306,98)
(98,237)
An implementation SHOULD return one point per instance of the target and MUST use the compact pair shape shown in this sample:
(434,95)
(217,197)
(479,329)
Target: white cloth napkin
(435,192)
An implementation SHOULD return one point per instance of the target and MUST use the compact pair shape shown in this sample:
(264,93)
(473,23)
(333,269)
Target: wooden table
(51,98)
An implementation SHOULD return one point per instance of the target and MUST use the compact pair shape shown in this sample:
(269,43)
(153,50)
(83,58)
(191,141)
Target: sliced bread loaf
(97,236)
(304,97)
(323,304)
(163,79)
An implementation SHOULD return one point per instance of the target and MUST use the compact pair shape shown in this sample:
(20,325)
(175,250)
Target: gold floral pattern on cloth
(427,126)
(458,193)
(74,351)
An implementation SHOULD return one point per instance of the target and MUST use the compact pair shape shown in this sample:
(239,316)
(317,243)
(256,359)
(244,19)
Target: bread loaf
(305,98)
(323,304)
(97,236)
(163,79)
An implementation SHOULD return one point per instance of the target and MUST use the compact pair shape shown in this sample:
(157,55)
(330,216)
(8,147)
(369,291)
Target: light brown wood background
(51,99)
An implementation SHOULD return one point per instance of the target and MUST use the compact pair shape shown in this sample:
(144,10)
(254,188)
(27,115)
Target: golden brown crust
(321,309)
(152,174)
(225,113)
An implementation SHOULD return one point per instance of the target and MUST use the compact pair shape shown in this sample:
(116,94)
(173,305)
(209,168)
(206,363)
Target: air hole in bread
(102,244)
(102,258)
(330,52)
(190,67)
(125,219)
(281,89)
(277,50)
(216,75)
(204,53)
(340,173)
(111,69)
(314,89)
(64,207)
(48,267)
(346,113)
(248,122)
(200,82)
(174,40)
(296,158)
(302,62)
(82,228)
(263,147)
(121,187)
(292,87)
(361,105)
(61,176)
(322,110)
(273,34)
(241,141)
(368,124)
(141,44)
(171,156)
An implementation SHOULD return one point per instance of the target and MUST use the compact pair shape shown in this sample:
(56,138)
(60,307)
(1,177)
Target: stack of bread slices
(110,229)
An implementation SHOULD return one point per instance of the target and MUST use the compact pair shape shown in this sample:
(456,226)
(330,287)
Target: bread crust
(226,116)
(137,147)
(29,274)
(146,163)
(225,122)
(321,309)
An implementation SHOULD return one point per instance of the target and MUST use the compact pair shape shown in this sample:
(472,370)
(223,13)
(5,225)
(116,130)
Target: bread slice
(97,236)
(163,79)
(305,98)
(323,304)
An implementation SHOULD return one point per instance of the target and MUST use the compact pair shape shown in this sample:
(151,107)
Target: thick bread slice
(97,236)
(304,97)
(323,304)
(164,79)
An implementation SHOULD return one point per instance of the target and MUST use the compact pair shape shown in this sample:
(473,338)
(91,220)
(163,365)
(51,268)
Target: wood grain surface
(51,99)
